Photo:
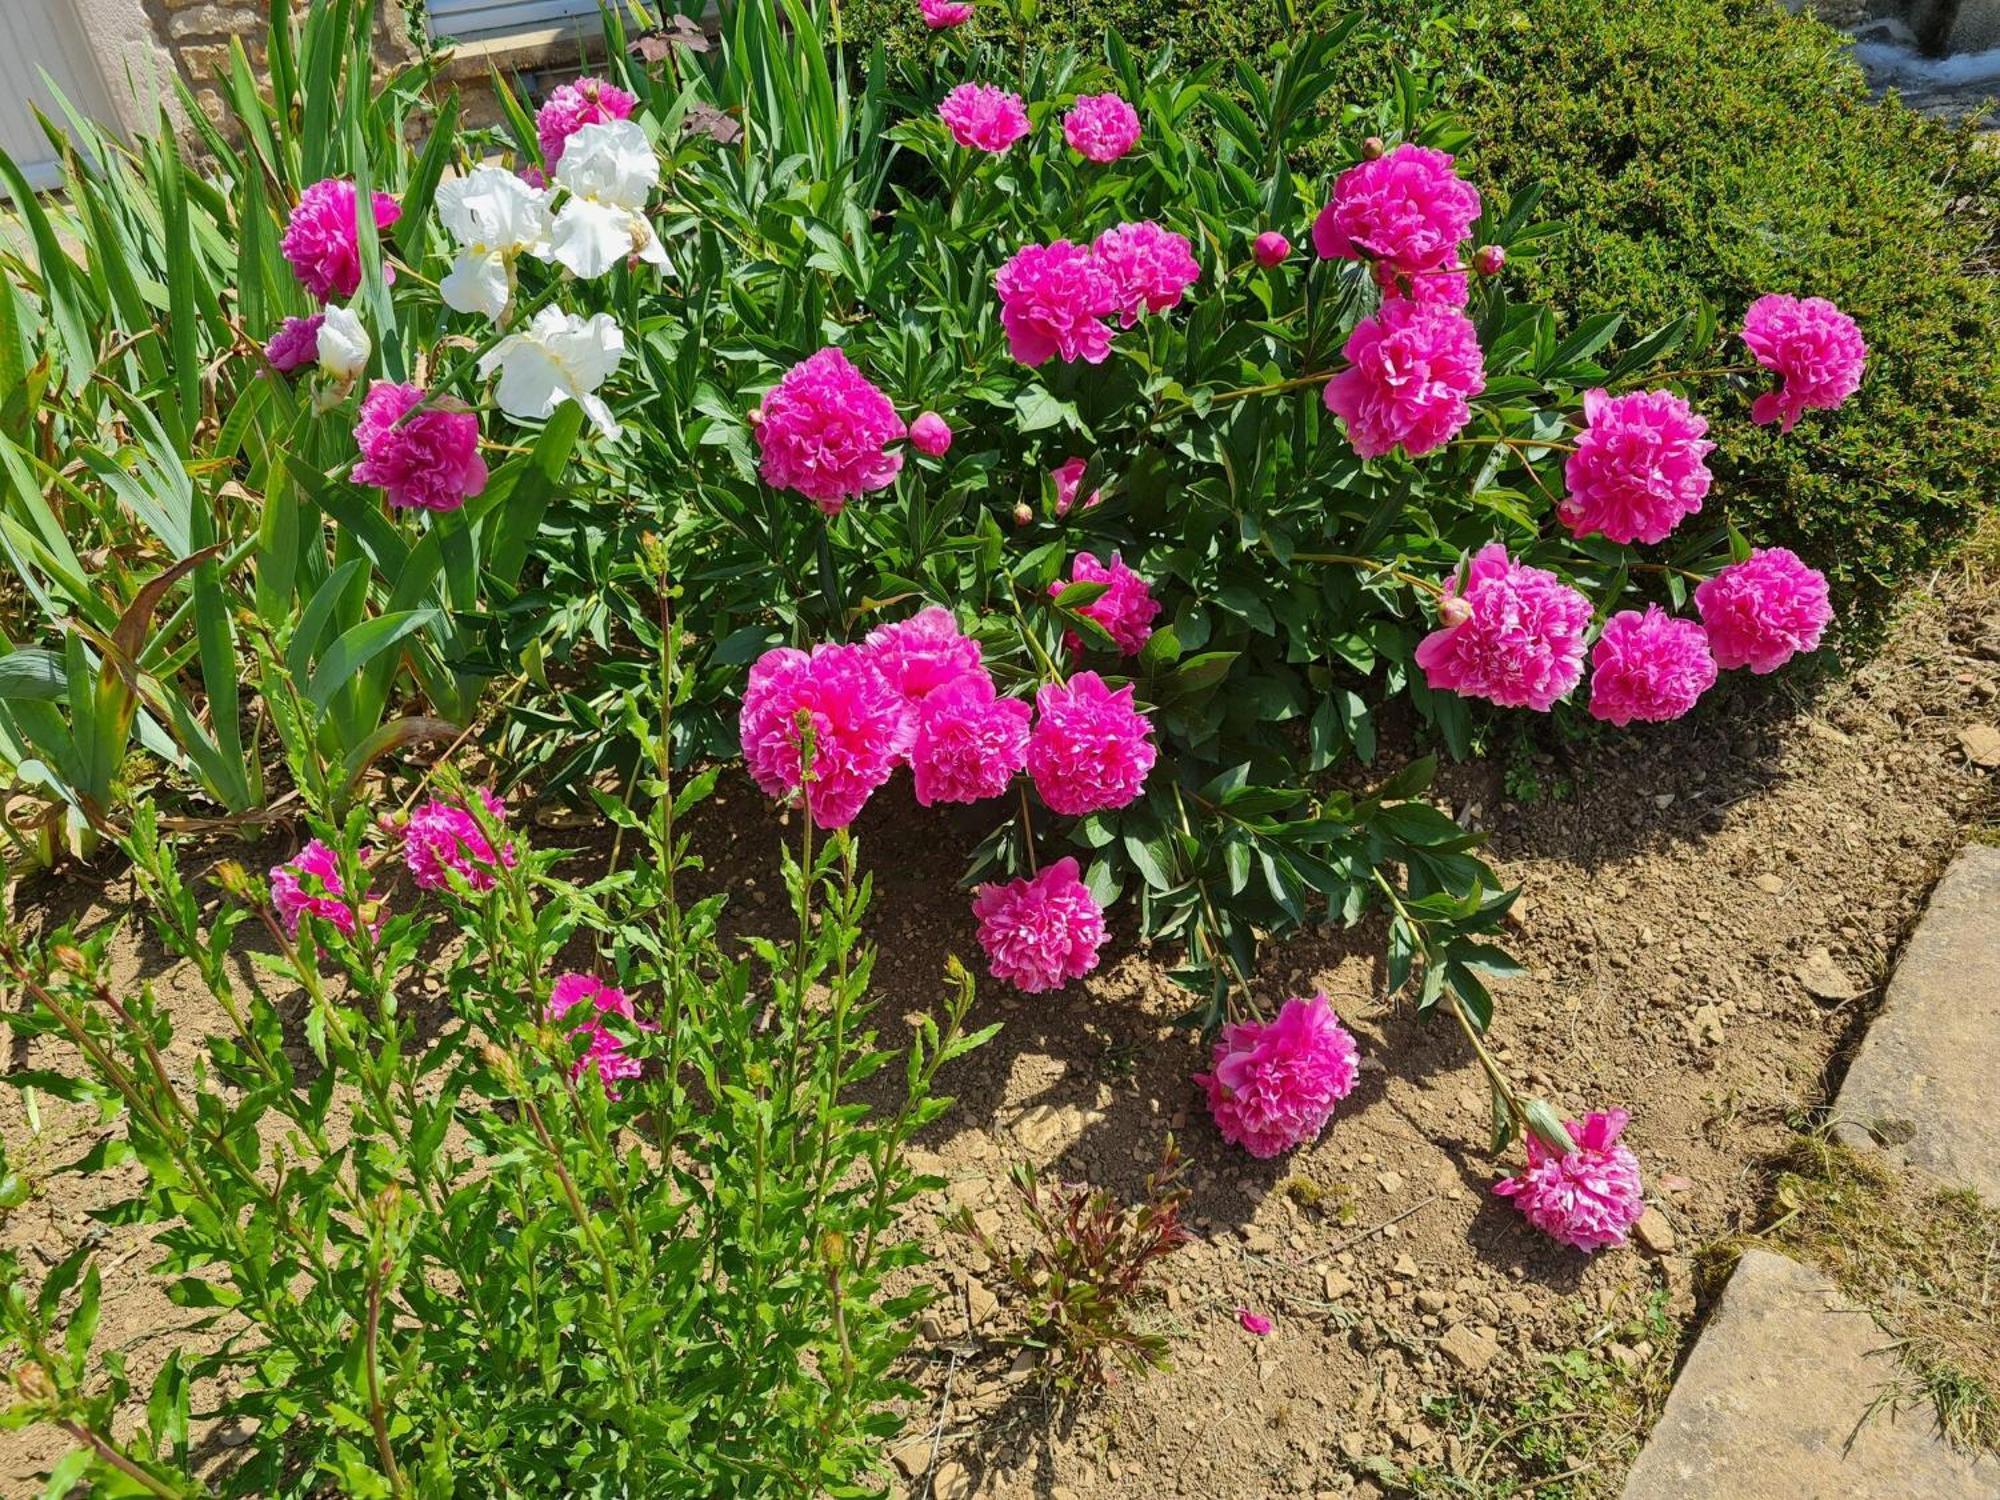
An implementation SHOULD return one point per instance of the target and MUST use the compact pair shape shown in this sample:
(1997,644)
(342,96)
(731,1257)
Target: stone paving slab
(1773,1404)
(1925,1084)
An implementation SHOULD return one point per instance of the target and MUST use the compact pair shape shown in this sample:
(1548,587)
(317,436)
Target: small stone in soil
(1654,1232)
(1981,744)
(1470,1350)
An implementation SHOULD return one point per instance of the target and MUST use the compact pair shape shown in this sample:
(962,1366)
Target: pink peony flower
(1271,249)
(1252,1322)
(1053,302)
(1815,348)
(930,435)
(924,654)
(311,883)
(1521,645)
(984,117)
(1275,1082)
(605,1055)
(442,836)
(968,742)
(942,15)
(861,727)
(1763,611)
(1442,286)
(1648,666)
(1587,1199)
(295,345)
(1407,208)
(571,106)
(1040,934)
(1638,467)
(427,461)
(1102,127)
(1412,368)
(1068,477)
(1151,267)
(826,431)
(1126,609)
(322,238)
(1091,749)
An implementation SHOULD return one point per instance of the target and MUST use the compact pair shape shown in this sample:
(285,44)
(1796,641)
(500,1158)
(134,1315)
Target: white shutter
(479,20)
(37,37)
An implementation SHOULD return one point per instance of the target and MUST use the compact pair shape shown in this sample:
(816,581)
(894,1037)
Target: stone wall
(194,35)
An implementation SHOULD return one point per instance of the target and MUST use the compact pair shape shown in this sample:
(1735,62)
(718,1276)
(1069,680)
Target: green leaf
(345,658)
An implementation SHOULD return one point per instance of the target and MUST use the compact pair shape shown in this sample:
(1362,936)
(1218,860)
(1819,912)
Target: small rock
(1770,885)
(1470,1350)
(1390,1182)
(912,1456)
(1622,1356)
(1654,1233)
(980,1304)
(1824,979)
(1354,1446)
(1430,1300)
(1337,1286)
(1258,1240)
(1023,1366)
(951,1482)
(1981,744)
(1406,1267)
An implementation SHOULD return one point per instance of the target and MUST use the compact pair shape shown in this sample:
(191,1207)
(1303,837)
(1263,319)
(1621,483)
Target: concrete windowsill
(562,46)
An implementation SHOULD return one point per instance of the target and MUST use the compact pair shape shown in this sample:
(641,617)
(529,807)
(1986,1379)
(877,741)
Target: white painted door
(480,20)
(43,37)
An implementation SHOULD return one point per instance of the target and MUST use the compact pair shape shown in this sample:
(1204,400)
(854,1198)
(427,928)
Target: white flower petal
(344,344)
(560,357)
(478,283)
(493,209)
(612,162)
(592,237)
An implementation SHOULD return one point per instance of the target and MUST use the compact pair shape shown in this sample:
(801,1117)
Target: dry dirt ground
(1709,912)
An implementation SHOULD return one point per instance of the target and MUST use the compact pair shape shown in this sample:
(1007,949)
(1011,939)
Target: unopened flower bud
(1024,514)
(1453,610)
(1270,249)
(1488,260)
(756,415)
(33,1382)
(235,880)
(70,959)
(1372,149)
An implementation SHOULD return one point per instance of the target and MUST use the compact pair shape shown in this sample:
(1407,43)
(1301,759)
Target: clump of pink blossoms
(605,1055)
(825,433)
(1638,467)
(442,836)
(322,239)
(860,723)
(1126,609)
(1274,1084)
(1068,477)
(1515,635)
(1815,349)
(1763,611)
(1412,369)
(930,435)
(1053,303)
(925,654)
(295,345)
(1408,209)
(571,106)
(1091,749)
(969,743)
(984,117)
(1039,934)
(1652,666)
(311,883)
(1151,267)
(425,461)
(1101,127)
(1587,1199)
(942,15)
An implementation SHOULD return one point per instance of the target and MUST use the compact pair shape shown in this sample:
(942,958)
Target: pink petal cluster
(1126,609)
(1650,666)
(969,743)
(311,883)
(1053,303)
(322,238)
(1517,639)
(1412,369)
(1039,934)
(1101,127)
(1091,749)
(605,1055)
(1253,1322)
(1151,267)
(1068,477)
(925,653)
(984,117)
(1442,286)
(825,432)
(942,15)
(442,836)
(1638,468)
(295,345)
(1271,249)
(1408,208)
(1274,1083)
(861,727)
(425,461)
(571,106)
(930,435)
(1815,349)
(1589,1198)
(1761,612)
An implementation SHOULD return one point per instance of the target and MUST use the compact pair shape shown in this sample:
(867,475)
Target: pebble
(1653,1232)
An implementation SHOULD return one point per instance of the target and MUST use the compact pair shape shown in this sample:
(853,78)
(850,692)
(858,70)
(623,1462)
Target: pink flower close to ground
(571,106)
(942,15)
(1638,469)
(984,117)
(1091,749)
(311,883)
(1815,349)
(969,743)
(861,727)
(1408,208)
(1053,303)
(442,836)
(1412,370)
(426,461)
(1763,611)
(930,435)
(1650,666)
(1274,1084)
(1040,934)
(295,345)
(1101,127)
(605,1055)
(1271,249)
(1521,643)
(322,238)
(1591,1197)
(1151,267)
(1126,609)
(1068,477)
(924,655)
(1252,1322)
(825,433)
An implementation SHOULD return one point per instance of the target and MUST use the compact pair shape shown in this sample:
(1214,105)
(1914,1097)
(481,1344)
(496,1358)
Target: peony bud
(1452,610)
(1024,514)
(930,434)
(1372,149)
(1271,249)
(1488,260)
(756,416)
